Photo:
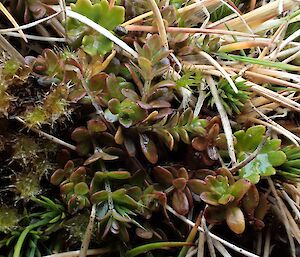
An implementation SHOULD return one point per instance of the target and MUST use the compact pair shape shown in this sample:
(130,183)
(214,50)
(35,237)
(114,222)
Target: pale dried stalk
(291,203)
(276,34)
(76,253)
(102,31)
(221,249)
(224,118)
(201,241)
(279,129)
(152,29)
(274,96)
(291,189)
(209,241)
(9,49)
(267,244)
(29,25)
(222,241)
(200,100)
(259,242)
(160,24)
(12,20)
(265,78)
(37,38)
(206,69)
(220,68)
(291,58)
(283,216)
(257,16)
(46,135)
(206,3)
(293,225)
(295,139)
(242,45)
(88,233)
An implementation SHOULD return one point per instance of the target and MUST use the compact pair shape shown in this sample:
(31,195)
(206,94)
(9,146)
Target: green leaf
(152,246)
(265,161)
(257,61)
(81,188)
(118,175)
(99,197)
(100,13)
(94,43)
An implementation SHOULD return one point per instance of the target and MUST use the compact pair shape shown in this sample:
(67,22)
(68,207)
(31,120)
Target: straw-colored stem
(152,29)
(224,118)
(258,15)
(76,253)
(160,24)
(47,136)
(221,240)
(284,217)
(220,68)
(242,45)
(88,233)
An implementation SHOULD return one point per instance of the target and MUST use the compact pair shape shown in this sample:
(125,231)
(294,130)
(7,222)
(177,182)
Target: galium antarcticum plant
(269,157)
(101,13)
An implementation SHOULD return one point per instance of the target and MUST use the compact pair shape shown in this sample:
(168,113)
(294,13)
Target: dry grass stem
(152,29)
(76,253)
(47,136)
(88,233)
(283,216)
(222,241)
(224,118)
(160,24)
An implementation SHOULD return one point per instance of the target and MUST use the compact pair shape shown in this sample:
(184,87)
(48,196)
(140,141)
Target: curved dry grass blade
(12,20)
(76,253)
(221,249)
(270,123)
(46,135)
(220,68)
(206,3)
(29,25)
(201,240)
(160,24)
(267,244)
(221,240)
(283,216)
(88,233)
(102,31)
(9,49)
(37,38)
(274,96)
(292,204)
(258,15)
(224,118)
(235,10)
(146,28)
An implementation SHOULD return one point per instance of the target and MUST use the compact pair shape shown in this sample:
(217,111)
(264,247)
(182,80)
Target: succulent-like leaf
(235,220)
(148,148)
(180,202)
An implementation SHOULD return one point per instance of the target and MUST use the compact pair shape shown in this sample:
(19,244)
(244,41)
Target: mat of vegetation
(149,128)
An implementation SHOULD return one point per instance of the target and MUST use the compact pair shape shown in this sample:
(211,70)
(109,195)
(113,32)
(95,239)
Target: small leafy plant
(269,157)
